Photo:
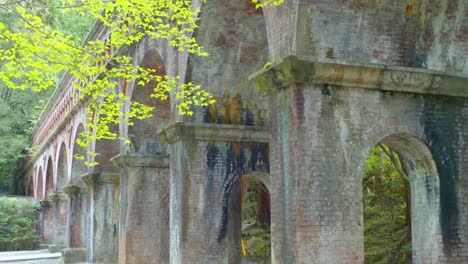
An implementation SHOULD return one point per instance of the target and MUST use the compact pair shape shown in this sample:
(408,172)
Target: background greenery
(387,228)
(18,221)
(20,109)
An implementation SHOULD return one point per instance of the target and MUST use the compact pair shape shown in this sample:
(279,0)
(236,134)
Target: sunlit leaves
(259,3)
(34,54)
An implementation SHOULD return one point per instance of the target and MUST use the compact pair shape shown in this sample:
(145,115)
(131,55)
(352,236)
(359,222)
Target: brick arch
(143,134)
(39,185)
(78,168)
(418,160)
(235,211)
(49,176)
(62,164)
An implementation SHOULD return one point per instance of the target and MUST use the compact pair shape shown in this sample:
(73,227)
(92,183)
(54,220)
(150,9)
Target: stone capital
(72,190)
(56,196)
(101,178)
(44,203)
(214,132)
(311,70)
(138,160)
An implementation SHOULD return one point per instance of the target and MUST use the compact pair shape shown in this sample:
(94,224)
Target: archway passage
(49,177)
(47,211)
(60,203)
(256,238)
(387,208)
(249,221)
(39,186)
(401,202)
(77,204)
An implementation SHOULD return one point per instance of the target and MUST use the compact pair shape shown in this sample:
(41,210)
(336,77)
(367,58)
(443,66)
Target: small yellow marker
(244,253)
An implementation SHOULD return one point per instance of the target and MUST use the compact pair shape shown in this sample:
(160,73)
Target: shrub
(18,221)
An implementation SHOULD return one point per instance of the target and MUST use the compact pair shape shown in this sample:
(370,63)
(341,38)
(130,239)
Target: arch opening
(60,205)
(78,166)
(39,186)
(49,177)
(143,133)
(77,203)
(62,174)
(401,202)
(250,219)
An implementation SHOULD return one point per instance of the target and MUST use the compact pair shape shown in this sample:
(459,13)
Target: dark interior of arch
(143,133)
(249,220)
(40,194)
(79,168)
(49,177)
(62,168)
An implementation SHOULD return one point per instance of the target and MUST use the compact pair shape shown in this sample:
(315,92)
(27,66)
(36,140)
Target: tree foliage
(19,109)
(387,229)
(18,220)
(34,53)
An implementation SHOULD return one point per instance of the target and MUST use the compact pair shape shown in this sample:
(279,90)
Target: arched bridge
(304,91)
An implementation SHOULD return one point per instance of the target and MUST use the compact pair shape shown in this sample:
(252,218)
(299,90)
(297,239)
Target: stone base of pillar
(73,255)
(54,248)
(43,246)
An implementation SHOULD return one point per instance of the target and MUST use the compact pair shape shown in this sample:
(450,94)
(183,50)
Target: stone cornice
(44,203)
(138,160)
(302,69)
(213,132)
(57,196)
(101,178)
(72,190)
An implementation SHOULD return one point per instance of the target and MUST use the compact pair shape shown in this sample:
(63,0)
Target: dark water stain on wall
(440,115)
(237,159)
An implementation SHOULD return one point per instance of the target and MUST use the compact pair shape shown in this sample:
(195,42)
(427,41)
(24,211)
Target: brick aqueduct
(304,91)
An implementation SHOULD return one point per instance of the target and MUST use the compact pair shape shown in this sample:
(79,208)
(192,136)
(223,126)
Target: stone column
(59,203)
(75,251)
(326,116)
(207,161)
(144,209)
(103,216)
(46,224)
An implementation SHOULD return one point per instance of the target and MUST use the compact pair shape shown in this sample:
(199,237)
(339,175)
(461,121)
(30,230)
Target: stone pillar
(76,226)
(103,218)
(46,224)
(144,209)
(59,204)
(325,117)
(207,161)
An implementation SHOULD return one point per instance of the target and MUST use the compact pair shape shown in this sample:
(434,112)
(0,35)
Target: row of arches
(53,176)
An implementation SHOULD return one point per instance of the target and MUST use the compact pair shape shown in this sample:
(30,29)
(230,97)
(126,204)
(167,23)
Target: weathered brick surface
(321,133)
(202,176)
(144,221)
(60,222)
(422,34)
(326,134)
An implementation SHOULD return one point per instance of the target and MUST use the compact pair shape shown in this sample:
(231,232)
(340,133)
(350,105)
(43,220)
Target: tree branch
(395,161)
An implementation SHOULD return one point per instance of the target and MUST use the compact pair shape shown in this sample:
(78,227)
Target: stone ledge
(101,178)
(302,69)
(137,160)
(73,255)
(54,248)
(214,132)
